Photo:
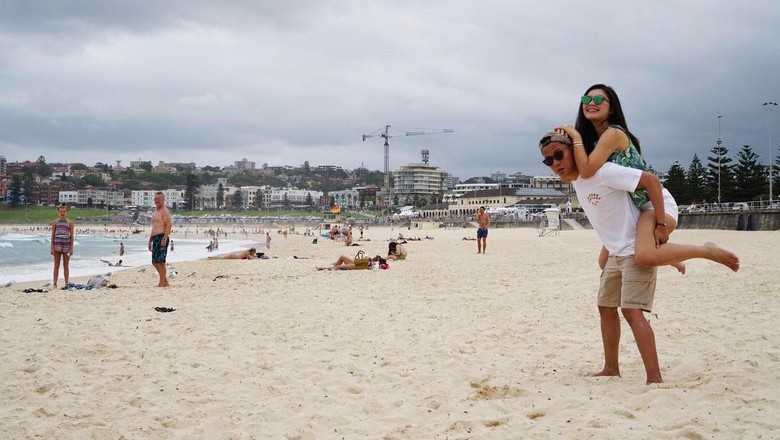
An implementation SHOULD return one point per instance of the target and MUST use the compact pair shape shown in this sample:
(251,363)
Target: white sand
(448,344)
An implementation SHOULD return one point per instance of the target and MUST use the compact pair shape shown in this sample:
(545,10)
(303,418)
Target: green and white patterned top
(632,159)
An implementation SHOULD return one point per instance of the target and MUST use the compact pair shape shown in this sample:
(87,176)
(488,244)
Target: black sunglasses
(548,160)
(598,99)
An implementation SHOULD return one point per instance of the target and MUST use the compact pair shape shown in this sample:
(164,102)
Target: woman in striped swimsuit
(62,235)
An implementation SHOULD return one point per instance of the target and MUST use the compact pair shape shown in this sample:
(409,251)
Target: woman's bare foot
(680,266)
(722,256)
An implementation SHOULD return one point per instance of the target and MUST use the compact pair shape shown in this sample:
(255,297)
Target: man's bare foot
(654,380)
(722,256)
(680,266)
(606,372)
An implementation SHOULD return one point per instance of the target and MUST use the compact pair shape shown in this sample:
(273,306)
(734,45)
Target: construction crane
(386,135)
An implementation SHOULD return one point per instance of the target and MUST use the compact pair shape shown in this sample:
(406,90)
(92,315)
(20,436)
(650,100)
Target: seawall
(736,221)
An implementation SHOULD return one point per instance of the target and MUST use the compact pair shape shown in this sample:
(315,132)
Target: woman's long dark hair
(616,117)
(391,248)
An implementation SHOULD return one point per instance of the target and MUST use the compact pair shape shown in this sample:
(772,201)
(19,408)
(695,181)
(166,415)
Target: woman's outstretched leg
(647,254)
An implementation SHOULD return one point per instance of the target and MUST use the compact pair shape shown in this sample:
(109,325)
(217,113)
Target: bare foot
(606,372)
(722,256)
(654,380)
(680,266)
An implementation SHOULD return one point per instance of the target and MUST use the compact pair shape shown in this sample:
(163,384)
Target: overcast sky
(284,81)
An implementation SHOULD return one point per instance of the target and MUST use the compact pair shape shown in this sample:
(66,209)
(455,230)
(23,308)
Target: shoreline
(186,251)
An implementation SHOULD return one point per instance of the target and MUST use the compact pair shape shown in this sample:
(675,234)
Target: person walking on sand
(268,240)
(63,234)
(605,198)
(483,220)
(158,241)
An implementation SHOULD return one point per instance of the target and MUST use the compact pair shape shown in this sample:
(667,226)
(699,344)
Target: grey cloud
(283,82)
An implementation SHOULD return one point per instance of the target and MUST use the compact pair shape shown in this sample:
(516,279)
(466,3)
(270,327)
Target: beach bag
(361,261)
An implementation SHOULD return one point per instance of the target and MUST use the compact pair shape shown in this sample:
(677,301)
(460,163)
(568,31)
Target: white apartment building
(69,197)
(92,197)
(145,198)
(249,195)
(207,194)
(349,198)
(418,182)
(276,196)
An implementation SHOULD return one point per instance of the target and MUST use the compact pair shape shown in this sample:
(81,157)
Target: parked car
(740,206)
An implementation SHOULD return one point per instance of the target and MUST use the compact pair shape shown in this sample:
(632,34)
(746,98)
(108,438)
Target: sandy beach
(446,345)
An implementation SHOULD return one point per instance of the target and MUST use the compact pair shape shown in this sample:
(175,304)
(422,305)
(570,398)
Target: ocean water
(27,257)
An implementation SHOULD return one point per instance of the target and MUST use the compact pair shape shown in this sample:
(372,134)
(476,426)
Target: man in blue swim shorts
(158,242)
(483,220)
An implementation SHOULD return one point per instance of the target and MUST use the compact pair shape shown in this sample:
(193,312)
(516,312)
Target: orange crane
(386,135)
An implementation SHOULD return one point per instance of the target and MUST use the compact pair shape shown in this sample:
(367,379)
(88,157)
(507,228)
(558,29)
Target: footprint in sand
(484,391)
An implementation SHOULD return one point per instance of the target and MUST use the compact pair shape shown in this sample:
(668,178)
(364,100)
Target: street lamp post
(770,104)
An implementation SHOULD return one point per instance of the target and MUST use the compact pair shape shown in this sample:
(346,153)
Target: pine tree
(720,153)
(29,189)
(191,189)
(750,176)
(220,196)
(238,200)
(695,180)
(776,177)
(15,192)
(259,199)
(675,183)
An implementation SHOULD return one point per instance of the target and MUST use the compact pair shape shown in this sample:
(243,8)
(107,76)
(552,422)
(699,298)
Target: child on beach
(601,134)
(62,236)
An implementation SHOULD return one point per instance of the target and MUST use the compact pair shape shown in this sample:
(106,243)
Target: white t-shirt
(607,203)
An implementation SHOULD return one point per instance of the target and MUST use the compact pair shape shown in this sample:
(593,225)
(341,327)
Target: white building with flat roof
(418,183)
(69,197)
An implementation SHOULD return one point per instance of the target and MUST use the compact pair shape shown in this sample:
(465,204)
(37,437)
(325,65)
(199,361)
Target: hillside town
(433,192)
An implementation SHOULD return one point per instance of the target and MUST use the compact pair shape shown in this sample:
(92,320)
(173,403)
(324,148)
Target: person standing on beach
(605,198)
(158,241)
(62,235)
(121,249)
(483,220)
(268,240)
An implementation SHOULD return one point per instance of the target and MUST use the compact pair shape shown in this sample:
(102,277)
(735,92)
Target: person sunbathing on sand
(346,263)
(239,255)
